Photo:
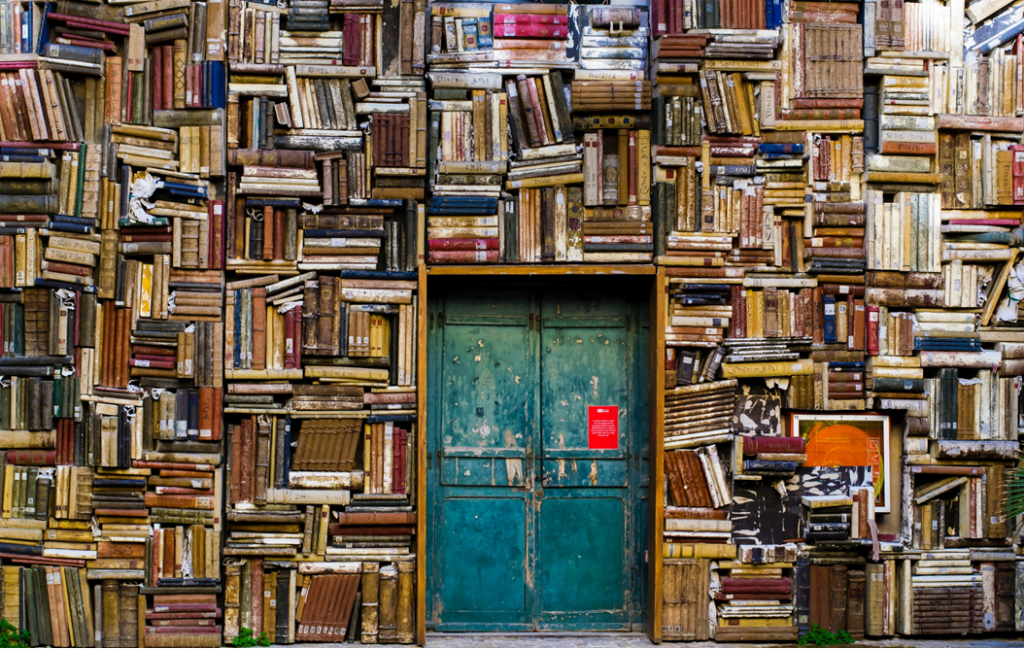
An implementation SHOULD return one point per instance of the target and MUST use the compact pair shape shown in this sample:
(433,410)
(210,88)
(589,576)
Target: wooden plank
(421,459)
(656,401)
(544,269)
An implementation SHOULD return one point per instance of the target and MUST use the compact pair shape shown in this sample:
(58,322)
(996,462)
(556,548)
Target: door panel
(582,577)
(483,545)
(584,362)
(487,377)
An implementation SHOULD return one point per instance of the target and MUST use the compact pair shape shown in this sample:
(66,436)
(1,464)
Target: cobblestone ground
(571,641)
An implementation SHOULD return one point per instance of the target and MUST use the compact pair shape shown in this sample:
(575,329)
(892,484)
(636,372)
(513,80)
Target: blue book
(375,202)
(398,419)
(182,187)
(845,366)
(71,227)
(829,308)
(9,231)
(484,33)
(273,202)
(460,211)
(781,148)
(49,283)
(44,31)
(326,234)
(771,466)
(218,96)
(22,158)
(79,220)
(379,274)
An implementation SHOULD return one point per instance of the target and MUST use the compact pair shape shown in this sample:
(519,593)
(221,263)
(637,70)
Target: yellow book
(146,291)
(20,252)
(770,368)
(698,551)
(8,483)
(270,336)
(62,575)
(547,181)
(643,165)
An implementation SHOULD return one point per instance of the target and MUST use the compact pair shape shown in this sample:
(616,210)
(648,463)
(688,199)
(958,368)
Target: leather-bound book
(111,606)
(371,592)
(387,627)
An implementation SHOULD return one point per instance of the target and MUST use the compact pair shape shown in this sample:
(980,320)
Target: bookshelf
(824,199)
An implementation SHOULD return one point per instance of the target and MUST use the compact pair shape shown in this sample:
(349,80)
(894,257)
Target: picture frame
(837,439)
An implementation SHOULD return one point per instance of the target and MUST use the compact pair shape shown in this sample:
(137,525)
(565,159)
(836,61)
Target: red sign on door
(603,427)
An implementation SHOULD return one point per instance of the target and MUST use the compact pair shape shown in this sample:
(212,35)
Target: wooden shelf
(543,269)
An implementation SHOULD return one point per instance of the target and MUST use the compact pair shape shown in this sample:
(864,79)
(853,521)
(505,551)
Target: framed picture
(849,440)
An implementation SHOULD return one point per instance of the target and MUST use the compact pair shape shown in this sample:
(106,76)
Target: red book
(462,256)
(376,518)
(149,351)
(157,68)
(632,168)
(206,414)
(873,325)
(156,561)
(529,19)
(32,457)
(278,251)
(538,115)
(218,400)
(155,364)
(168,77)
(764,444)
(217,237)
(69,269)
(183,622)
(248,459)
(462,244)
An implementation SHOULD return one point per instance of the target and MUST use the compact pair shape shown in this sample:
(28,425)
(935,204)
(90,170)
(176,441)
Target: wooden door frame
(656,401)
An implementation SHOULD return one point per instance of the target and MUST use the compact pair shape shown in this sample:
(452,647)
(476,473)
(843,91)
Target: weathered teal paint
(529,528)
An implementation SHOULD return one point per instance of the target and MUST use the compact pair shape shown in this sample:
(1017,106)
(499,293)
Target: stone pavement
(628,640)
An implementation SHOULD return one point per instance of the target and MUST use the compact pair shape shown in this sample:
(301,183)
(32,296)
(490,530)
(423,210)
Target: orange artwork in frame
(848,440)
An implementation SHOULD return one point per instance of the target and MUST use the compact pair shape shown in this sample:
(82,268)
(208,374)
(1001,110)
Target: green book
(42,607)
(81,180)
(31,619)
(58,393)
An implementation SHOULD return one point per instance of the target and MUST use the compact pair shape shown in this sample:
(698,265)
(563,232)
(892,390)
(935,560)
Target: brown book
(111,604)
(257,595)
(837,599)
(370,613)
(259,328)
(855,604)
(261,474)
(326,328)
(128,614)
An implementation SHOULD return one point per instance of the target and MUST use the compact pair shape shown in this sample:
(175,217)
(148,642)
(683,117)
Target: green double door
(537,459)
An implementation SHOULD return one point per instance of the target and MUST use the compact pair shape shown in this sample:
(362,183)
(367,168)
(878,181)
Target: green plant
(1014,504)
(247,639)
(10,636)
(820,637)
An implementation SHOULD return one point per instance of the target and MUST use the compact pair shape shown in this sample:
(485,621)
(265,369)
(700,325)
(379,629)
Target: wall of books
(209,305)
(216,223)
(836,200)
